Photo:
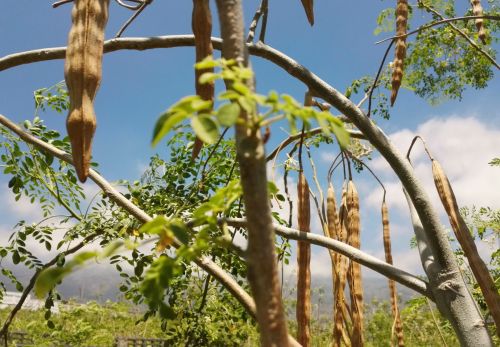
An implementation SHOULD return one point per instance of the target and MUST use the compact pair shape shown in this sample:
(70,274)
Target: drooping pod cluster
(83,72)
(463,235)
(303,311)
(398,326)
(477,10)
(354,270)
(202,30)
(400,50)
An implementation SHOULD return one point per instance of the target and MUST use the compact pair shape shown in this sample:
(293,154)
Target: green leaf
(166,122)
(180,231)
(228,114)
(48,280)
(205,128)
(155,226)
(208,77)
(207,63)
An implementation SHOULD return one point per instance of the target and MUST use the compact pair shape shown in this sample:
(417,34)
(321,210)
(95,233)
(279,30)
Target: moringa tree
(200,228)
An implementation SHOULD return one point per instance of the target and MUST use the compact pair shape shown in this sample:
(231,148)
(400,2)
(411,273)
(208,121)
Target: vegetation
(190,208)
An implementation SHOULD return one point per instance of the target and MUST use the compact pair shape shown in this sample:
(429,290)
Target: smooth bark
(261,255)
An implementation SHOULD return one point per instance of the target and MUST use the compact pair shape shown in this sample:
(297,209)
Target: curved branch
(315,131)
(205,263)
(390,271)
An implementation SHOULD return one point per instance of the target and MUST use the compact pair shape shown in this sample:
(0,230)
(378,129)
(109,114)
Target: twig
(321,212)
(60,2)
(138,11)
(418,137)
(436,323)
(262,10)
(312,132)
(461,33)
(375,82)
(430,25)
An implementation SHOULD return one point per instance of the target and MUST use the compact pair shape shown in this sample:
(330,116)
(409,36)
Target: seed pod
(400,51)
(303,311)
(463,235)
(309,8)
(202,30)
(331,211)
(341,265)
(83,71)
(477,10)
(354,271)
(392,286)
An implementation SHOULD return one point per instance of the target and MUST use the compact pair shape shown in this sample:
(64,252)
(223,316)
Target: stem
(261,254)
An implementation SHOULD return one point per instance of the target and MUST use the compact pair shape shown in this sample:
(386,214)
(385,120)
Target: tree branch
(205,263)
(371,262)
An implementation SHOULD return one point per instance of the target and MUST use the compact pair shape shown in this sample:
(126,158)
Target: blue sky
(138,86)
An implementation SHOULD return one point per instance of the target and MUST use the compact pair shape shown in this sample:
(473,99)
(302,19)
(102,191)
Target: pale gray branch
(390,271)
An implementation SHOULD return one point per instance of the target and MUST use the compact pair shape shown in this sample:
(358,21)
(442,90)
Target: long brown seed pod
(341,315)
(83,72)
(400,51)
(202,30)
(463,235)
(354,271)
(309,8)
(303,311)
(477,10)
(392,286)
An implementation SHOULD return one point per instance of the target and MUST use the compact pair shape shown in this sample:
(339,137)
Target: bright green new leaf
(166,122)
(205,128)
(228,114)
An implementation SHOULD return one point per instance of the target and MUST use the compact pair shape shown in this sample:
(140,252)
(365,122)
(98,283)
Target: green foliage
(495,162)
(260,110)
(93,324)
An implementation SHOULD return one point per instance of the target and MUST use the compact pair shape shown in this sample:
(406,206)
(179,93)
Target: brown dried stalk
(400,51)
(303,311)
(83,72)
(392,285)
(477,10)
(354,271)
(309,8)
(463,235)
(202,30)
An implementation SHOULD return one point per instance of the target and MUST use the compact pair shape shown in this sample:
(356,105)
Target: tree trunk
(261,256)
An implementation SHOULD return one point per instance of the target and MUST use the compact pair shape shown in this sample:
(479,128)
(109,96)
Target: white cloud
(21,209)
(463,146)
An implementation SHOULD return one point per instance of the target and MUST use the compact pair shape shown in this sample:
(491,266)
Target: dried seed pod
(477,10)
(202,30)
(341,266)
(400,51)
(462,233)
(354,271)
(303,311)
(392,285)
(331,211)
(309,8)
(83,72)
